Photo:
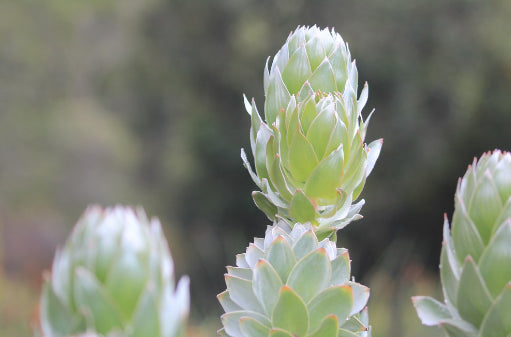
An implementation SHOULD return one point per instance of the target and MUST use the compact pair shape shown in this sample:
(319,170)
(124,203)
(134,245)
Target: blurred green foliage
(141,103)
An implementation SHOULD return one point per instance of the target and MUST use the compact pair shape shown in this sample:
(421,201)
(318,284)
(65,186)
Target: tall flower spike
(290,284)
(310,159)
(114,277)
(475,263)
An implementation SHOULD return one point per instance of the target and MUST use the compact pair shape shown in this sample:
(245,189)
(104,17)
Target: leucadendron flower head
(310,158)
(475,263)
(310,58)
(292,284)
(114,277)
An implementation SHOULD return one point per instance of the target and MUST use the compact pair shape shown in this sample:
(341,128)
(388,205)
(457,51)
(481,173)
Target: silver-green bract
(310,158)
(475,264)
(114,277)
(288,284)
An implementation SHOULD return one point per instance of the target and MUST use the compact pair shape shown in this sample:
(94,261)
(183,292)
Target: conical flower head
(310,158)
(289,284)
(312,162)
(475,264)
(313,59)
(114,277)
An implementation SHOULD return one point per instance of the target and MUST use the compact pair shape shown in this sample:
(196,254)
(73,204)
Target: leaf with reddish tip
(301,208)
(497,322)
(281,257)
(328,328)
(430,311)
(326,177)
(290,313)
(297,70)
(265,205)
(241,293)
(311,274)
(473,298)
(253,328)
(266,285)
(336,300)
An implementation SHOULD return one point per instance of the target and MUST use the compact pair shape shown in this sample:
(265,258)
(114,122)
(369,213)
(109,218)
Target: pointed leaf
(485,206)
(251,327)
(263,136)
(323,78)
(253,254)
(430,311)
(146,317)
(336,300)
(341,269)
(125,282)
(247,165)
(265,205)
(373,152)
(338,136)
(275,171)
(360,296)
(307,114)
(231,321)
(227,304)
(362,100)
(502,177)
(320,129)
(315,51)
(281,257)
(305,244)
(449,281)
(326,177)
(277,97)
(301,208)
(497,322)
(473,299)
(92,299)
(290,313)
(311,274)
(241,293)
(266,285)
(496,260)
(354,324)
(355,165)
(338,61)
(56,319)
(465,236)
(297,70)
(328,327)
(302,158)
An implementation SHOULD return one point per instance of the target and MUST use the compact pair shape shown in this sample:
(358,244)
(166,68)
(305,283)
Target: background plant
(476,255)
(114,277)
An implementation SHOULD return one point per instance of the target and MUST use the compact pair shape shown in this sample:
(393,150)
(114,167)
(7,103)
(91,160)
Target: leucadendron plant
(310,158)
(311,163)
(475,263)
(114,277)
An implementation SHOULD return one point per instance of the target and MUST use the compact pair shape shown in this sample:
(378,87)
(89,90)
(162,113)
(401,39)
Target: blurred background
(140,102)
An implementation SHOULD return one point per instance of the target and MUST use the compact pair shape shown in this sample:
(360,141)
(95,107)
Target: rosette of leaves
(289,284)
(114,277)
(475,263)
(310,158)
